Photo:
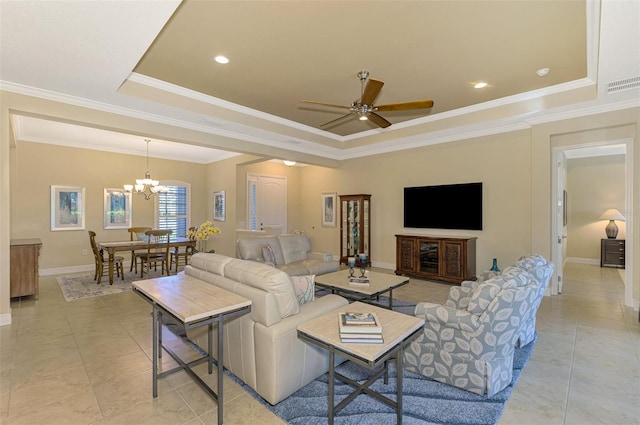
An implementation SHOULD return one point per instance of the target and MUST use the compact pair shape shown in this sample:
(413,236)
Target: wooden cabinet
(449,259)
(23,275)
(612,253)
(355,229)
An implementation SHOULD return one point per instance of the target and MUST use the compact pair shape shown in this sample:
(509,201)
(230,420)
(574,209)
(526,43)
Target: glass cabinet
(355,229)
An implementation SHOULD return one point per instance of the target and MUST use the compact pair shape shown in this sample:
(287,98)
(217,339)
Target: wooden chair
(176,254)
(134,235)
(99,259)
(157,251)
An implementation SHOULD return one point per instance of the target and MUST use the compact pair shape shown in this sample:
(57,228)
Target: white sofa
(289,253)
(262,348)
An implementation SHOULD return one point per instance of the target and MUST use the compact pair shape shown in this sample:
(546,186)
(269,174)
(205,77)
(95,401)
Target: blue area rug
(424,401)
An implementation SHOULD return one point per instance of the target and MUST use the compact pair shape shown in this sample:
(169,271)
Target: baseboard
(579,260)
(67,270)
(5,319)
(74,269)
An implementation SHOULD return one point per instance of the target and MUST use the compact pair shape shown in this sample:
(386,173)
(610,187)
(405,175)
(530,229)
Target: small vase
(494,267)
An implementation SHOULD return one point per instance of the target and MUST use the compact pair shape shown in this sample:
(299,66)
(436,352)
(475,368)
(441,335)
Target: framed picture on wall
(219,206)
(67,208)
(117,209)
(329,209)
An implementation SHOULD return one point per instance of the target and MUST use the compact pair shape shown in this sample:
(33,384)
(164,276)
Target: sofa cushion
(212,263)
(485,292)
(267,254)
(294,247)
(251,248)
(266,278)
(304,288)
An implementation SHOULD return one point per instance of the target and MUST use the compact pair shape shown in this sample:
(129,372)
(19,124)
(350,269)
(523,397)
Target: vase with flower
(201,234)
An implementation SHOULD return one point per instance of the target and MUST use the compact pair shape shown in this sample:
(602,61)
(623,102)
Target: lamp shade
(612,214)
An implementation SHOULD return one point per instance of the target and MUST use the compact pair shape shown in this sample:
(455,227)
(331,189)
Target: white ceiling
(102,55)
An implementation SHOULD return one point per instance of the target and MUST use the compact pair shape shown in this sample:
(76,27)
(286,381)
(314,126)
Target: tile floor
(88,361)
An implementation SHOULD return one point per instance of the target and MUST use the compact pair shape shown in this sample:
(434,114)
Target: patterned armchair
(541,271)
(469,341)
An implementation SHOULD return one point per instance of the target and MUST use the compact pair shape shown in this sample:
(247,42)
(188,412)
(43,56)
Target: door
(267,203)
(560,216)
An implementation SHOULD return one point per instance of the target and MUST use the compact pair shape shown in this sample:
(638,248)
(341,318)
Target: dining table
(112,247)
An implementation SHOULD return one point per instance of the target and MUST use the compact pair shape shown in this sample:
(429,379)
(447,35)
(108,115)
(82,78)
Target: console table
(446,258)
(191,303)
(23,274)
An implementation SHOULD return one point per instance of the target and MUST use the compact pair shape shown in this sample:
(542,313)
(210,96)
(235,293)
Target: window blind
(173,209)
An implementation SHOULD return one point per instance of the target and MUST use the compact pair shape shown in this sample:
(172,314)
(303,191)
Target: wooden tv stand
(447,258)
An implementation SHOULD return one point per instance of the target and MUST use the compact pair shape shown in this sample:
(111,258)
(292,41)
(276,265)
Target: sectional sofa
(262,348)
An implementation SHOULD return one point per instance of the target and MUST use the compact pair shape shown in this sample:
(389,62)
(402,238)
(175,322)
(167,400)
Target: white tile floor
(88,361)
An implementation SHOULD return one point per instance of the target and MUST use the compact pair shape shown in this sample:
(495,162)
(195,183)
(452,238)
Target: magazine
(364,281)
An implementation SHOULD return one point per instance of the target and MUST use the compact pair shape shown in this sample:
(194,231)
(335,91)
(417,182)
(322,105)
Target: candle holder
(351,262)
(363,264)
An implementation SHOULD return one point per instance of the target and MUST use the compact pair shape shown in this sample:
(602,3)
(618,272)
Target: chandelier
(146,186)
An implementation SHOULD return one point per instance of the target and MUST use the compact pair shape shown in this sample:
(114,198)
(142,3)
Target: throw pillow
(267,254)
(304,288)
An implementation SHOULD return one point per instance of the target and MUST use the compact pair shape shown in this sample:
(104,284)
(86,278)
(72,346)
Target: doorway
(561,235)
(267,203)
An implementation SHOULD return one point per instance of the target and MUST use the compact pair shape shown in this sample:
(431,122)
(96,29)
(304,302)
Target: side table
(397,330)
(192,303)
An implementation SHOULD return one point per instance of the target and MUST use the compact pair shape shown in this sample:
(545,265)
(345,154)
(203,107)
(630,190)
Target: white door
(559,221)
(268,203)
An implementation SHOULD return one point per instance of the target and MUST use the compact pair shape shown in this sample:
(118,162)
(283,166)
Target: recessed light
(221,59)
(480,85)
(542,72)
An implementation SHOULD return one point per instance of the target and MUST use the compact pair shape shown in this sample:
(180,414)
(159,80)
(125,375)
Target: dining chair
(134,235)
(99,259)
(177,253)
(157,251)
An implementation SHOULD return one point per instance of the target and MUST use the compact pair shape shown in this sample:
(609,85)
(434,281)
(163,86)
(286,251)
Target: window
(252,192)
(173,208)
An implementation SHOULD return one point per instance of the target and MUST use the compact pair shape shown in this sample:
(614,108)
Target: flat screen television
(451,206)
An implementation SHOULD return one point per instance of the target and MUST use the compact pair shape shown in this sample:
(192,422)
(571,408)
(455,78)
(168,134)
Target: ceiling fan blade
(405,106)
(378,120)
(371,91)
(326,104)
(337,119)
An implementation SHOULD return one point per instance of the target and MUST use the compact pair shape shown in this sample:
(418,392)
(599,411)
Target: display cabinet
(355,226)
(450,259)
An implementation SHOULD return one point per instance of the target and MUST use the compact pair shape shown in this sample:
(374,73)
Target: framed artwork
(117,209)
(67,208)
(329,209)
(219,206)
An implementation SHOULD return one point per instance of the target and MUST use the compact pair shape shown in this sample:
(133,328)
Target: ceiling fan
(364,107)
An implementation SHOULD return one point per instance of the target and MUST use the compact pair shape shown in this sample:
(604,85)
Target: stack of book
(364,281)
(363,328)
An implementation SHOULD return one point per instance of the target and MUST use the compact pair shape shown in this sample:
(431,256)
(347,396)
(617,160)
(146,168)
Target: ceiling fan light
(363,118)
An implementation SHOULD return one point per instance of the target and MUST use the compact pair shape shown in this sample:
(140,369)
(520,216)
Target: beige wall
(36,166)
(593,186)
(515,168)
(501,162)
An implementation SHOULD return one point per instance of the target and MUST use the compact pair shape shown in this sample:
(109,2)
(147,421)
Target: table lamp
(611,215)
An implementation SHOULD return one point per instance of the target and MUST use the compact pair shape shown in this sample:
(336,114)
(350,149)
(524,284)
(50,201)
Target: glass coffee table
(379,283)
(397,330)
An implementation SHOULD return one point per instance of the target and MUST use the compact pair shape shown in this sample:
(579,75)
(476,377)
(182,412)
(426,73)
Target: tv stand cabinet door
(406,255)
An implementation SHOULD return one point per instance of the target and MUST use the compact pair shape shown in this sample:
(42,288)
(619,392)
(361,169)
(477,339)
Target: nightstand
(612,253)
